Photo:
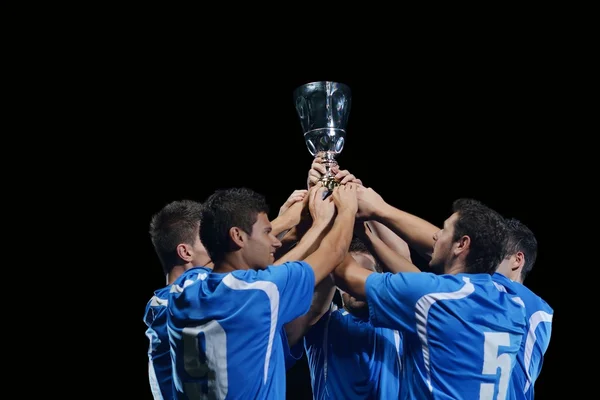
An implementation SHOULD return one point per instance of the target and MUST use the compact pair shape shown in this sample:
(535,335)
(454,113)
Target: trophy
(324,108)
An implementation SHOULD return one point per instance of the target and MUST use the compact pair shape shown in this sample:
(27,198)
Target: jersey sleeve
(295,282)
(396,301)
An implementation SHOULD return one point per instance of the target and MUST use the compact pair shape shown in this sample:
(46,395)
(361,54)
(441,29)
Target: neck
(231,262)
(176,272)
(505,268)
(456,267)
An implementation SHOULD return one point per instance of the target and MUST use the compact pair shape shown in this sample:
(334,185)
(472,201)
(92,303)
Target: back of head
(357,246)
(521,239)
(175,223)
(225,209)
(488,232)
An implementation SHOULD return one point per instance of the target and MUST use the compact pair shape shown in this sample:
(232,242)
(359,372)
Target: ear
(463,244)
(184,252)
(237,236)
(519,262)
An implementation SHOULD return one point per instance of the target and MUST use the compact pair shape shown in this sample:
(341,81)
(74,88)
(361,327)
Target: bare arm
(335,244)
(288,219)
(417,232)
(391,260)
(321,301)
(308,243)
(389,238)
(351,277)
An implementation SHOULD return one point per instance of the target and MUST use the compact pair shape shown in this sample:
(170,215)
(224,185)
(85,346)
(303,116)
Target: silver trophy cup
(324,108)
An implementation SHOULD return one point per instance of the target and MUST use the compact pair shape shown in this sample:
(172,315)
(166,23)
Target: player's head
(236,220)
(358,250)
(521,251)
(474,236)
(174,231)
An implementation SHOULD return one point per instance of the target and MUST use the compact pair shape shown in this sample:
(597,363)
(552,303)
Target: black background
(421,136)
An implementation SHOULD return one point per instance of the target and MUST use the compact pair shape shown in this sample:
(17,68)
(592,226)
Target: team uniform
(226,331)
(350,359)
(159,357)
(461,333)
(535,343)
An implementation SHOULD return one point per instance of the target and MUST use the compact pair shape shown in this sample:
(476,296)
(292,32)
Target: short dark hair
(521,238)
(225,209)
(488,232)
(177,222)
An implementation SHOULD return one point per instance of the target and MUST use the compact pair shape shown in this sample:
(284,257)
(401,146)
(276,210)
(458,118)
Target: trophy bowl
(323,108)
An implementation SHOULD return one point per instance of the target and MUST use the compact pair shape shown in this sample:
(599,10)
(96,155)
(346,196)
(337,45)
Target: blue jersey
(461,333)
(351,359)
(535,343)
(226,331)
(159,357)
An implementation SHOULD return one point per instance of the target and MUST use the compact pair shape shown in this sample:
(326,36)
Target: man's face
(262,244)
(442,246)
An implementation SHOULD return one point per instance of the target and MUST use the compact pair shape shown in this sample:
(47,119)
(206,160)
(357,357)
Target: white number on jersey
(214,368)
(492,361)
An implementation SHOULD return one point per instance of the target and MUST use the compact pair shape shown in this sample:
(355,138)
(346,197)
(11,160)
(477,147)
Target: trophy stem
(328,180)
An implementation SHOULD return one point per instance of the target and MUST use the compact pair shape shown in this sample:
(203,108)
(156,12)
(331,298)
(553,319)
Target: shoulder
(531,300)
(162,293)
(289,269)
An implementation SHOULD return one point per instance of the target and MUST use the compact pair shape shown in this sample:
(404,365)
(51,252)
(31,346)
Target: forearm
(417,232)
(389,238)
(321,302)
(283,223)
(308,244)
(391,260)
(351,277)
(336,243)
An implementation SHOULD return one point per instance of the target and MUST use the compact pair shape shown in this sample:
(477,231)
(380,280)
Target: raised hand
(317,170)
(369,201)
(344,176)
(321,210)
(344,197)
(296,196)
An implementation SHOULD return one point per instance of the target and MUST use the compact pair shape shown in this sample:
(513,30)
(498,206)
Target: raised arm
(391,260)
(334,246)
(322,298)
(417,232)
(290,213)
(351,277)
(389,238)
(322,213)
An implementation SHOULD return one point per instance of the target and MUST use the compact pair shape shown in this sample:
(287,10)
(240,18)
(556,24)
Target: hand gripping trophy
(324,108)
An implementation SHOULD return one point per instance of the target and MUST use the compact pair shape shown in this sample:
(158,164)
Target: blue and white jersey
(350,359)
(537,338)
(225,331)
(159,357)
(461,333)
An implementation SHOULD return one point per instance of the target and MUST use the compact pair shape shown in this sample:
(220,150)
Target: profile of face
(359,307)
(261,244)
(443,246)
